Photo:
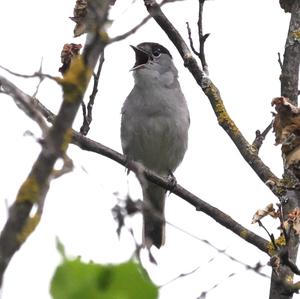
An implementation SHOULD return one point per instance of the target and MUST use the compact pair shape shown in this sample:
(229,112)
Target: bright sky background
(242,58)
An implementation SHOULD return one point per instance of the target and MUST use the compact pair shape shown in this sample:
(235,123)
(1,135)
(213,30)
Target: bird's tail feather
(153,215)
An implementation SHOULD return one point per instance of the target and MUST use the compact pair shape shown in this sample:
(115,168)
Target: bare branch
(214,97)
(260,137)
(191,39)
(87,111)
(202,38)
(34,75)
(279,60)
(281,281)
(131,31)
(20,224)
(200,205)
(271,236)
(290,67)
(93,146)
(40,80)
(200,54)
(23,101)
(138,26)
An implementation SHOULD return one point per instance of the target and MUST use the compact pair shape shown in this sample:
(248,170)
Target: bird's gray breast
(154,125)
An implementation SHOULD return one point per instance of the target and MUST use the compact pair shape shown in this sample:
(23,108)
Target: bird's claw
(172,181)
(127,164)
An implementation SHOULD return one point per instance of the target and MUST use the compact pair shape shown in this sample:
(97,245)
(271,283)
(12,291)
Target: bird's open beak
(141,57)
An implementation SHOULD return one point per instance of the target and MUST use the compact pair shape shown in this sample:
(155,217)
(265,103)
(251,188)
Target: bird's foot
(128,164)
(134,166)
(172,181)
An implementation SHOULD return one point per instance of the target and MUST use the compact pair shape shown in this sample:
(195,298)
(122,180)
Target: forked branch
(213,94)
(20,222)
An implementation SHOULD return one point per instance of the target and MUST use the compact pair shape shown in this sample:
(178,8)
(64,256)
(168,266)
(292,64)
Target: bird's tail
(153,215)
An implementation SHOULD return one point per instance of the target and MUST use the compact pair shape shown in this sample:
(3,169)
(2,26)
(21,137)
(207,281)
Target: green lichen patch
(66,140)
(244,234)
(29,191)
(296,35)
(223,117)
(29,227)
(280,242)
(75,80)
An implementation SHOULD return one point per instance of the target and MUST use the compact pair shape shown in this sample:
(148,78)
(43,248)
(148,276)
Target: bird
(154,130)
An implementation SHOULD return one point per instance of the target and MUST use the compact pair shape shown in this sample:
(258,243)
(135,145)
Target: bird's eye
(156,53)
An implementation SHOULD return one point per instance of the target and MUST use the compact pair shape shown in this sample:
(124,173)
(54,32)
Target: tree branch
(202,38)
(20,224)
(200,205)
(260,137)
(281,282)
(23,101)
(138,26)
(213,94)
(279,60)
(88,111)
(290,67)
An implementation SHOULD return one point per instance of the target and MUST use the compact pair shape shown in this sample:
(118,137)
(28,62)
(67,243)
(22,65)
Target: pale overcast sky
(242,57)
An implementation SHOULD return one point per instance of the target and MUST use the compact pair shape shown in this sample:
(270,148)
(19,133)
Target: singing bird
(154,129)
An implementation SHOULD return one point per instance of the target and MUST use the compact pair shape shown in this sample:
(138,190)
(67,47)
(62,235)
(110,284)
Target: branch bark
(87,110)
(34,189)
(213,94)
(290,67)
(138,26)
(282,286)
(20,224)
(200,205)
(281,282)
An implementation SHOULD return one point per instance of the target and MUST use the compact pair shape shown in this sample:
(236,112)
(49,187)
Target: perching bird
(154,129)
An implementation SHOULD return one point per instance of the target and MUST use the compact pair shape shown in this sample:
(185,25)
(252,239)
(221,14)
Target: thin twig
(40,80)
(200,54)
(279,60)
(221,251)
(182,275)
(130,207)
(23,101)
(34,75)
(271,236)
(282,226)
(260,137)
(191,40)
(204,293)
(20,224)
(138,26)
(131,31)
(202,38)
(88,111)
(213,94)
(200,205)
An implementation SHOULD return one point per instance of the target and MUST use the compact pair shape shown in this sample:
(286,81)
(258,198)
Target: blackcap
(154,129)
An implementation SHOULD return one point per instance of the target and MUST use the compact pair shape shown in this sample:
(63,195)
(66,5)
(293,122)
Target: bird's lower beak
(141,57)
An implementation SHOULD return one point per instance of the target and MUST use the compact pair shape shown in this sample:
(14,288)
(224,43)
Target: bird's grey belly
(158,142)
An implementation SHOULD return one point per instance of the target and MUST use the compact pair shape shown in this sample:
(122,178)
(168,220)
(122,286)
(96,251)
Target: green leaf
(60,248)
(74,279)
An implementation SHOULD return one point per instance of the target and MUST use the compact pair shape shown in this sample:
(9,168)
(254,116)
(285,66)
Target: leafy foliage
(74,279)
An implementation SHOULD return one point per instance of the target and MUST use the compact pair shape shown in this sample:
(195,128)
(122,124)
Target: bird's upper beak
(141,57)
